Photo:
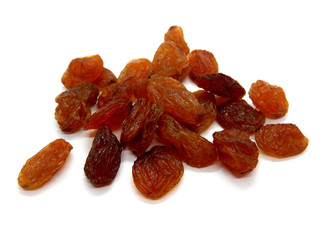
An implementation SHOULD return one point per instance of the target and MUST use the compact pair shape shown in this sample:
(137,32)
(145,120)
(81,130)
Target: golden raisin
(175,34)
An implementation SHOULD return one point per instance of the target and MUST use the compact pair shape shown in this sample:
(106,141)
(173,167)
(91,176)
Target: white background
(277,41)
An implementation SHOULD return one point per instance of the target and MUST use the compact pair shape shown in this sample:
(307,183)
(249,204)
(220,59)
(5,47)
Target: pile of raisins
(149,101)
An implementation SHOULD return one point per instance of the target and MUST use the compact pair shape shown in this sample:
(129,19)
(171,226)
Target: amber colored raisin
(105,79)
(236,150)
(202,62)
(269,99)
(112,114)
(221,85)
(170,61)
(175,99)
(281,140)
(40,168)
(112,92)
(175,34)
(157,171)
(135,120)
(143,140)
(240,115)
(80,70)
(194,149)
(135,72)
(104,158)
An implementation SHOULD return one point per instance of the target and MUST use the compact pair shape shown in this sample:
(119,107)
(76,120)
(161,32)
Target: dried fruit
(40,168)
(157,171)
(201,62)
(221,85)
(269,99)
(236,150)
(175,34)
(194,149)
(281,140)
(240,115)
(112,114)
(114,91)
(175,99)
(80,70)
(104,158)
(105,79)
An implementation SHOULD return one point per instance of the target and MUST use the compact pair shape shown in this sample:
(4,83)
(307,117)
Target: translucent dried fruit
(135,120)
(105,79)
(202,62)
(143,140)
(208,101)
(175,99)
(175,34)
(240,115)
(87,92)
(221,85)
(269,99)
(114,91)
(104,158)
(80,70)
(194,149)
(281,140)
(170,61)
(40,168)
(236,150)
(112,114)
(157,171)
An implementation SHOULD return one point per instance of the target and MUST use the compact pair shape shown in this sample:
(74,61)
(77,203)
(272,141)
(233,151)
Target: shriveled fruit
(175,34)
(269,99)
(157,171)
(104,158)
(105,79)
(194,149)
(221,85)
(112,114)
(175,99)
(201,62)
(80,70)
(143,140)
(170,61)
(236,150)
(40,168)
(281,140)
(114,91)
(240,115)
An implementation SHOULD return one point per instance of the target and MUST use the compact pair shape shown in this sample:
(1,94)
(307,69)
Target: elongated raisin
(281,140)
(40,168)
(157,171)
(175,34)
(194,149)
(114,91)
(104,158)
(236,150)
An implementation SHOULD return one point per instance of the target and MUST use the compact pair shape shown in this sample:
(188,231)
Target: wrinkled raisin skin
(104,158)
(236,150)
(281,140)
(106,78)
(114,91)
(175,34)
(40,168)
(157,171)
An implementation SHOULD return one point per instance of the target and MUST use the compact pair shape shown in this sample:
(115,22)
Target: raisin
(269,99)
(112,92)
(194,149)
(202,62)
(80,70)
(221,85)
(135,120)
(105,79)
(236,150)
(157,171)
(170,61)
(208,101)
(112,114)
(240,115)
(104,158)
(175,34)
(281,140)
(175,99)
(143,140)
(40,168)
